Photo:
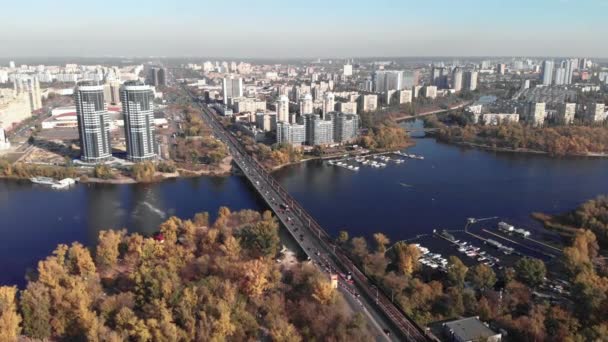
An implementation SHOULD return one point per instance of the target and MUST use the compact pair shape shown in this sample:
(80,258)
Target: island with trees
(194,280)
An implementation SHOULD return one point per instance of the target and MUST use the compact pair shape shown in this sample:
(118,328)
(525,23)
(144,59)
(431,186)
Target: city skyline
(315,29)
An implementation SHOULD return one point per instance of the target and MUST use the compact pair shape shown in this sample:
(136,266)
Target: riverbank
(521,150)
(9,171)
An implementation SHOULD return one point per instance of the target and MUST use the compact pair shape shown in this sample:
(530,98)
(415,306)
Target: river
(401,200)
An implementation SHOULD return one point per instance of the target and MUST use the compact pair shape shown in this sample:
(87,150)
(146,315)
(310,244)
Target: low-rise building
(469,329)
(495,119)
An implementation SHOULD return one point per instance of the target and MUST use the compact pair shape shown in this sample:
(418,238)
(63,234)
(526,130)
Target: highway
(389,322)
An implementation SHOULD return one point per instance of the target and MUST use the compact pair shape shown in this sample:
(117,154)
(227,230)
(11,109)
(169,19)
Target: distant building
(157,77)
(246,104)
(470,80)
(318,130)
(266,122)
(282,105)
(469,330)
(93,123)
(405,96)
(293,134)
(430,92)
(328,104)
(232,87)
(348,70)
(457,79)
(565,113)
(385,80)
(347,107)
(495,119)
(416,91)
(536,113)
(547,75)
(388,96)
(501,68)
(368,103)
(560,76)
(306,104)
(138,110)
(346,127)
(111,92)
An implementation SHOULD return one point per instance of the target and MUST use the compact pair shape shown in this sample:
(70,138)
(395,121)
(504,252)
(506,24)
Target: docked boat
(43,180)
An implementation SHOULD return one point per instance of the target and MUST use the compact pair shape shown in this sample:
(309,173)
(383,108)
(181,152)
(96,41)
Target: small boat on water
(42,180)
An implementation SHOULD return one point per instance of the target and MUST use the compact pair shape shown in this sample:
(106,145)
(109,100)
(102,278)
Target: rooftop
(469,329)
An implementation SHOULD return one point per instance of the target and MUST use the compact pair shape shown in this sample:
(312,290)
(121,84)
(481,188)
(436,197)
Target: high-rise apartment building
(501,68)
(346,127)
(291,133)
(93,123)
(457,79)
(430,92)
(595,113)
(347,107)
(318,130)
(565,113)
(547,75)
(405,96)
(157,76)
(536,113)
(232,87)
(368,103)
(329,103)
(138,111)
(470,80)
(385,80)
(306,104)
(283,109)
(348,70)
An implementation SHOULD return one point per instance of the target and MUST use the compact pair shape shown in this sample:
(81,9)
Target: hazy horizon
(278,30)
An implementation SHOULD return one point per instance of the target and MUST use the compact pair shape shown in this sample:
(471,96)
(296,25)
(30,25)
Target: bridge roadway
(318,245)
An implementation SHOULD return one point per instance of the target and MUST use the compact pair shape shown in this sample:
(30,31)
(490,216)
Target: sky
(307,29)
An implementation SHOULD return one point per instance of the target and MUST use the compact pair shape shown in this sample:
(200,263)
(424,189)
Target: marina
(376,161)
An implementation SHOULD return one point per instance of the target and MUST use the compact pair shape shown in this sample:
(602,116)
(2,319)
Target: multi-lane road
(386,320)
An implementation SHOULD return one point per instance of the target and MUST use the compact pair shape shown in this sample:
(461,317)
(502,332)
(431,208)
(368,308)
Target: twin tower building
(94,121)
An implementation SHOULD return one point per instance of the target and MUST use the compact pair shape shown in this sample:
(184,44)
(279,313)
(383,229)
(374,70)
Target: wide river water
(401,200)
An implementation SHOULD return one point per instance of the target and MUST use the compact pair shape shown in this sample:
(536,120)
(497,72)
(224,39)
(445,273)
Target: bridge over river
(361,294)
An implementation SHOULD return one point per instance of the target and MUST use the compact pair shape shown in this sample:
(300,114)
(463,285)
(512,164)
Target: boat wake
(152,208)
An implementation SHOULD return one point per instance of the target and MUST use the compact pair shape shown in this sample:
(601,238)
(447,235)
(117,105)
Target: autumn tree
(342,237)
(9,318)
(381,242)
(457,272)
(530,271)
(406,257)
(107,251)
(482,277)
(261,238)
